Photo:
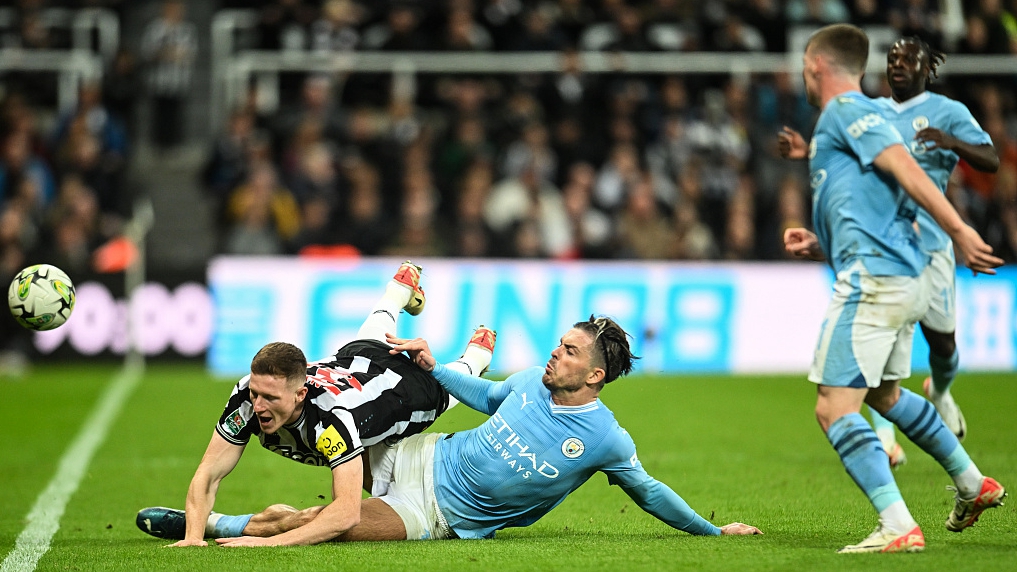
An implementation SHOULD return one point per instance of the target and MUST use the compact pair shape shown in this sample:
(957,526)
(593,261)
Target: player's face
(571,362)
(907,66)
(810,76)
(276,403)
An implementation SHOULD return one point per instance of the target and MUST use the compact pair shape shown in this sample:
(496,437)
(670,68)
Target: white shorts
(942,314)
(868,329)
(403,478)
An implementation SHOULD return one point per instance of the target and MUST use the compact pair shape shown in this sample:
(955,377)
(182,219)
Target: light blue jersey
(531,454)
(860,213)
(952,117)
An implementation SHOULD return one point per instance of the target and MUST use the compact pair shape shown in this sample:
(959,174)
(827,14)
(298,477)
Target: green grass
(737,448)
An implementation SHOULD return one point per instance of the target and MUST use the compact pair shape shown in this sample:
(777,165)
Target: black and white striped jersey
(360,396)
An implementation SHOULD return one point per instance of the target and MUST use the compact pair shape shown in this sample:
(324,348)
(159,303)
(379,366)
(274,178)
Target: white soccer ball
(41,297)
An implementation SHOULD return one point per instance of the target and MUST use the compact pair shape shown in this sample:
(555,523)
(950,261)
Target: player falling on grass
(863,180)
(323,413)
(940,131)
(548,433)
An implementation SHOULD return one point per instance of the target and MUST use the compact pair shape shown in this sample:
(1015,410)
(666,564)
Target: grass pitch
(736,448)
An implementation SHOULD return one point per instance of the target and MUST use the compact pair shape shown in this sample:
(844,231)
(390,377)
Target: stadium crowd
(558,165)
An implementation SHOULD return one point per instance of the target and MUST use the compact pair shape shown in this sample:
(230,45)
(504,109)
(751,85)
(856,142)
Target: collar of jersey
(906,105)
(572,409)
(300,419)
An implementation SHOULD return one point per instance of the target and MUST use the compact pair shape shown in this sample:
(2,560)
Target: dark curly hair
(612,346)
(936,57)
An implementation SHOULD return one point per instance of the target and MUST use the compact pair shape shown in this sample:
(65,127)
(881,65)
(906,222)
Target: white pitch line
(44,518)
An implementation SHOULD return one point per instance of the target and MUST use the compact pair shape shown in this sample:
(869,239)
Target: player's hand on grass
(791,144)
(417,349)
(802,243)
(186,542)
(977,254)
(739,529)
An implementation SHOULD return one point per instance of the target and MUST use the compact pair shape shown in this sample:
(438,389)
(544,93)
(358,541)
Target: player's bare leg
(279,518)
(403,292)
(378,521)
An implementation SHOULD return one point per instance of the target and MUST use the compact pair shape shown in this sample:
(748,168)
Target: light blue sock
(944,369)
(917,418)
(228,526)
(864,458)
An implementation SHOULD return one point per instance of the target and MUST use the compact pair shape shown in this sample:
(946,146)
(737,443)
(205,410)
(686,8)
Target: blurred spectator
(737,36)
(285,24)
(169,47)
(336,29)
(316,112)
(501,19)
(471,237)
(364,225)
(24,174)
(529,211)
(573,17)
(463,33)
(644,230)
(617,174)
(262,215)
(227,165)
(591,229)
(468,143)
(818,12)
(917,18)
(629,35)
(418,234)
(120,90)
(531,150)
(740,240)
(768,18)
(399,33)
(539,33)
(720,147)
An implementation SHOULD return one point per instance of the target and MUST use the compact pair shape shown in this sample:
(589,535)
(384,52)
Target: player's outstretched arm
(803,243)
(896,160)
(477,393)
(981,157)
(662,502)
(791,144)
(342,514)
(220,458)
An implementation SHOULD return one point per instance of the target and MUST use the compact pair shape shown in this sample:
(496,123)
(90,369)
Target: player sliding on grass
(548,433)
(324,413)
(939,131)
(862,177)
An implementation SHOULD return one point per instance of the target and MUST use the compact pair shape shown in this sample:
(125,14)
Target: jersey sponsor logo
(572,448)
(525,402)
(331,444)
(863,124)
(818,178)
(919,123)
(509,446)
(234,423)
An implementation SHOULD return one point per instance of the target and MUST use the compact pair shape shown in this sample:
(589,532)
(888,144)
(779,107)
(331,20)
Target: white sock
(887,438)
(385,314)
(213,519)
(897,518)
(969,482)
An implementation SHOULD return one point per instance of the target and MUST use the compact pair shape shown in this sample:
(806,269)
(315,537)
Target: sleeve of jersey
(865,131)
(477,393)
(235,423)
(966,128)
(337,439)
(652,495)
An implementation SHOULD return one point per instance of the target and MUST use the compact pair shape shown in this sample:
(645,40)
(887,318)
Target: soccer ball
(41,297)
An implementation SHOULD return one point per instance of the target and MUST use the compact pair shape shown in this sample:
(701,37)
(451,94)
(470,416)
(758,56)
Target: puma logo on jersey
(525,402)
